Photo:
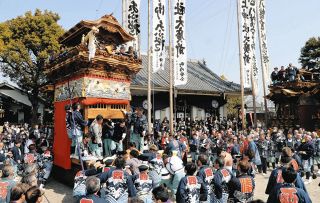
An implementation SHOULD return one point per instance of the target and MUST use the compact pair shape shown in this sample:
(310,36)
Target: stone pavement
(57,192)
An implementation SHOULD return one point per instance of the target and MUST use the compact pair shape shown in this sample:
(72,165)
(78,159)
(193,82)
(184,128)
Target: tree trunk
(35,105)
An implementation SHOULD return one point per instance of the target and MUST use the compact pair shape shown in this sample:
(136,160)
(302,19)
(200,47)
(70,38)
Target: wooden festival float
(89,71)
(297,103)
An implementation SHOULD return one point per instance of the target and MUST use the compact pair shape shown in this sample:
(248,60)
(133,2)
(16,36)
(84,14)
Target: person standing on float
(77,123)
(139,124)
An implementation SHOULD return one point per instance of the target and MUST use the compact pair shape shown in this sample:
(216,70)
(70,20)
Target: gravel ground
(57,192)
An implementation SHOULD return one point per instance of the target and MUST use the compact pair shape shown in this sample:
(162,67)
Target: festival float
(90,71)
(297,102)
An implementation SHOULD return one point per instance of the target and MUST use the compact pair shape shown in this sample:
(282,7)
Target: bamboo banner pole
(241,63)
(170,66)
(149,68)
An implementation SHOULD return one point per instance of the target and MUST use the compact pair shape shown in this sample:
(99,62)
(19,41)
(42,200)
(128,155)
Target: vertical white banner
(263,38)
(132,25)
(158,34)
(253,28)
(179,43)
(246,42)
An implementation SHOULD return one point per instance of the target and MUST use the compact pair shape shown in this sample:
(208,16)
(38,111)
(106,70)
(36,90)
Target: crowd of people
(291,74)
(25,162)
(203,161)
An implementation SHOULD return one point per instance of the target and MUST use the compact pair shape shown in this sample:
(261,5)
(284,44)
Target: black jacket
(308,148)
(118,132)
(17,156)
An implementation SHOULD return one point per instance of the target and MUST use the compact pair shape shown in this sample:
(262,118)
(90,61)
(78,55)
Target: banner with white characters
(263,38)
(179,43)
(158,35)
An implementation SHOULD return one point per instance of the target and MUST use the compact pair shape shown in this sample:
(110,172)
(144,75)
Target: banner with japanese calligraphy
(158,35)
(263,38)
(248,26)
(132,24)
(179,43)
(246,42)
(253,28)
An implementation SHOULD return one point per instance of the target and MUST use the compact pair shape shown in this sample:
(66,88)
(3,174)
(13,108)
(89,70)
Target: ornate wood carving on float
(292,110)
(90,71)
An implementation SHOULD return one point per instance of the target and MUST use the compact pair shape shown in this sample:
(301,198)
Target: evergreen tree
(26,43)
(310,54)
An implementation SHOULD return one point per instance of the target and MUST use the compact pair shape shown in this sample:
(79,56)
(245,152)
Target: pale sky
(211,26)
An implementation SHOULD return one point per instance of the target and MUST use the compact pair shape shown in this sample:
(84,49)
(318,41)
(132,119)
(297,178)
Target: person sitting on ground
(143,183)
(7,183)
(30,179)
(34,195)
(134,162)
(288,192)
(92,188)
(119,186)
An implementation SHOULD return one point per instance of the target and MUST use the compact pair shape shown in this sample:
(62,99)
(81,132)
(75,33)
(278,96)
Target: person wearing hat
(143,184)
(274,76)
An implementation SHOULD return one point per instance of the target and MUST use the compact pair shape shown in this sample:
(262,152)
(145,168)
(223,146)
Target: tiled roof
(200,78)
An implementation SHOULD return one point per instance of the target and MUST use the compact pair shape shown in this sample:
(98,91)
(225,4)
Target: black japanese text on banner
(246,42)
(253,28)
(133,22)
(158,35)
(263,37)
(179,43)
